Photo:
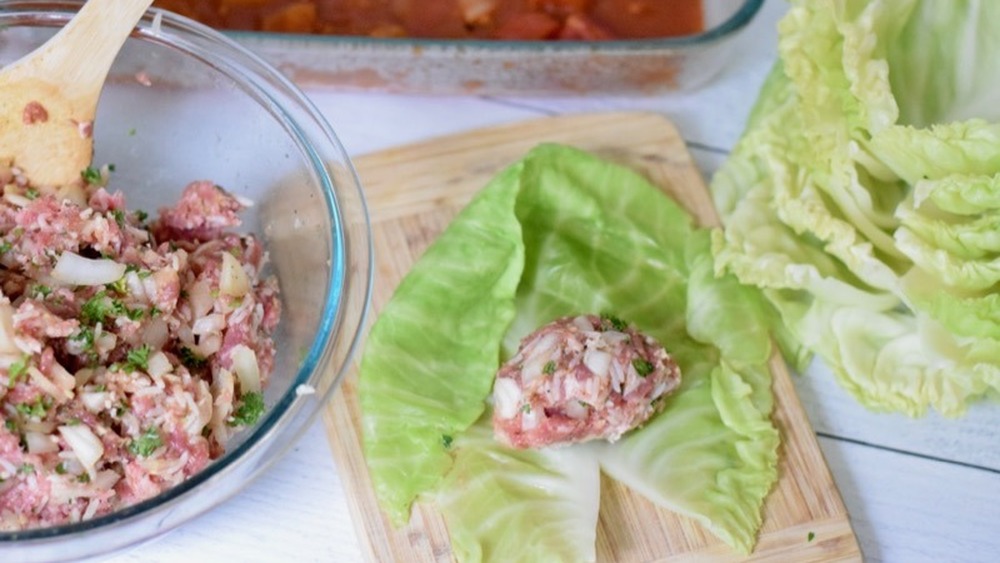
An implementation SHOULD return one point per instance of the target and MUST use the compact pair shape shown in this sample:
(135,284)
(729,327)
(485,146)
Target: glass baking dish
(508,67)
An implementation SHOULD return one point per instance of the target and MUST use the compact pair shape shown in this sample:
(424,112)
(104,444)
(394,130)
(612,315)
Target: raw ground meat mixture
(580,378)
(130,348)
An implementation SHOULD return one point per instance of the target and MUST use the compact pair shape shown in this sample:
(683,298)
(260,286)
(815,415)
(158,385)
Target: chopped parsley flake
(26,469)
(85,336)
(42,291)
(120,409)
(83,478)
(811,536)
(118,286)
(141,215)
(642,367)
(100,306)
(134,314)
(119,216)
(138,358)
(9,424)
(91,175)
(5,247)
(61,468)
(614,322)
(97,176)
(526,408)
(35,409)
(17,370)
(96,308)
(146,443)
(550,367)
(190,359)
(250,409)
(446,440)
(31,193)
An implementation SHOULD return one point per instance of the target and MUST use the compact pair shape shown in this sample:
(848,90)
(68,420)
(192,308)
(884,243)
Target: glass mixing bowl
(185,103)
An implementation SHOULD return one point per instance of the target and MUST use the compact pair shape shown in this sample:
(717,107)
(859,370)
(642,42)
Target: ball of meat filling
(580,378)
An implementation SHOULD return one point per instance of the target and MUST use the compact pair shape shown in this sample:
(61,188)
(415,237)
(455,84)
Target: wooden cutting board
(413,192)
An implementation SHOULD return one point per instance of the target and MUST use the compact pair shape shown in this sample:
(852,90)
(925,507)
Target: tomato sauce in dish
(586,20)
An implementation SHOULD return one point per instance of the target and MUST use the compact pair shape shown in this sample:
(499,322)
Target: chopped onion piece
(105,480)
(209,324)
(94,401)
(47,386)
(246,368)
(233,280)
(85,445)
(43,426)
(158,365)
(7,344)
(209,344)
(597,361)
(105,342)
(613,337)
(223,389)
(156,333)
(200,297)
(17,200)
(575,410)
(202,413)
(542,352)
(506,397)
(76,270)
(583,324)
(39,443)
(63,378)
(529,420)
(83,376)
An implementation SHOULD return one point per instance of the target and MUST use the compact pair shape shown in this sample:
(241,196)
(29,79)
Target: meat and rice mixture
(130,348)
(580,378)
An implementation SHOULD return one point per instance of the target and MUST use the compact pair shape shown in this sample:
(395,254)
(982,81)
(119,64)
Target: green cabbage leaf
(419,386)
(584,236)
(502,504)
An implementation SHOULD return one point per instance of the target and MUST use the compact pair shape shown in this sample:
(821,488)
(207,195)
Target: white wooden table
(917,490)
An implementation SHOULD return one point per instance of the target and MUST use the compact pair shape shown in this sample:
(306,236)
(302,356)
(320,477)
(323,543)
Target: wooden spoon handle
(80,55)
(48,99)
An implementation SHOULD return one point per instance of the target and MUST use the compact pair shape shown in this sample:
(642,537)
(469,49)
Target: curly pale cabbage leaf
(863,197)
(592,237)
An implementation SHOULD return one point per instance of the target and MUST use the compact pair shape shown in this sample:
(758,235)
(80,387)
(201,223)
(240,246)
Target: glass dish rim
(737,21)
(55,13)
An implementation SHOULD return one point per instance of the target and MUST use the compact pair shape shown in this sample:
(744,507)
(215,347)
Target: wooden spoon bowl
(48,99)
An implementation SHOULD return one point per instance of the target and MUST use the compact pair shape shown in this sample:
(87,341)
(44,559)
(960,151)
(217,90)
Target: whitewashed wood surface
(917,489)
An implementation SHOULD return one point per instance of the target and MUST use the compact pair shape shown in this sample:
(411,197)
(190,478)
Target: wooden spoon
(48,98)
